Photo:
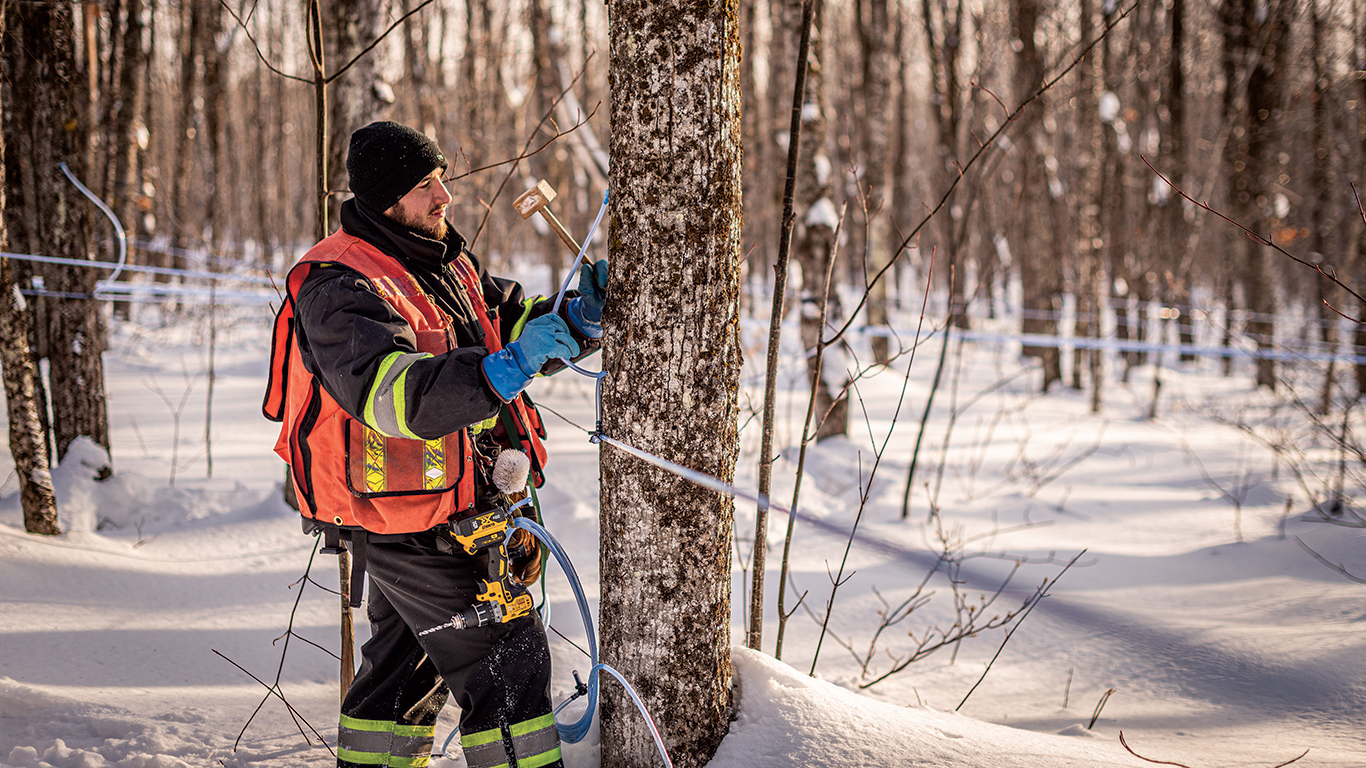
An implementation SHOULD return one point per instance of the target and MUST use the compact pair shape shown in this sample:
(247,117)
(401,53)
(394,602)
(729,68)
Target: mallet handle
(560,230)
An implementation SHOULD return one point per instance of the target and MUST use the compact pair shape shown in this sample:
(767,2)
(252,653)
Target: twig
(816,375)
(259,54)
(754,635)
(991,142)
(1335,566)
(558,135)
(376,41)
(1038,598)
(1264,241)
(274,689)
(1095,713)
(530,138)
(1183,765)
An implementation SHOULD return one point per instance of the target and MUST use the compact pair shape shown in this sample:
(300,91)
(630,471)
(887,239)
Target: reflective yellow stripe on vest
(522,321)
(386,409)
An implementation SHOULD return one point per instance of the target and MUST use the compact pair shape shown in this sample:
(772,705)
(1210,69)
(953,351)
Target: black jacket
(345,329)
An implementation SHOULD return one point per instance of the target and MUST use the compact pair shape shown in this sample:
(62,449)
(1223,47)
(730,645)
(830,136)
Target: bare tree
(361,97)
(672,362)
(874,33)
(27,440)
(48,215)
(1033,247)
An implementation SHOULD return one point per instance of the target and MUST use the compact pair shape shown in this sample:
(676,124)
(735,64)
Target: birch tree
(27,441)
(672,357)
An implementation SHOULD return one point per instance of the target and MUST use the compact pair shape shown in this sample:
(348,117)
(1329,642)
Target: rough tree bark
(48,215)
(27,441)
(672,356)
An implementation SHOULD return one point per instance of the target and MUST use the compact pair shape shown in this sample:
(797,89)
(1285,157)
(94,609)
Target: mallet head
(534,199)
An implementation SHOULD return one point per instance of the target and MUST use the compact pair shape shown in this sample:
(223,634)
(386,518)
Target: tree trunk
(1039,277)
(1091,278)
(1174,150)
(182,207)
(1322,187)
(876,94)
(755,129)
(552,164)
(1255,40)
(813,238)
(944,44)
(41,68)
(672,356)
(27,439)
(358,97)
(1359,336)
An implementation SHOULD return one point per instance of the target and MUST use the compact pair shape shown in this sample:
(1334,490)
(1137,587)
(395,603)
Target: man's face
(423,209)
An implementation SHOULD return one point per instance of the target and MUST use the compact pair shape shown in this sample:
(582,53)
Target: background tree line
(196,121)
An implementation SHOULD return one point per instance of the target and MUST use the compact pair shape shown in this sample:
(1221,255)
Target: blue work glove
(586,310)
(510,370)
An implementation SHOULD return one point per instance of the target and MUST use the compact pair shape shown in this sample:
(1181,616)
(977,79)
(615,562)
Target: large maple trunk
(672,356)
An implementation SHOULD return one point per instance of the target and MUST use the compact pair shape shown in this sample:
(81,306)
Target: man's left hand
(593,289)
(585,311)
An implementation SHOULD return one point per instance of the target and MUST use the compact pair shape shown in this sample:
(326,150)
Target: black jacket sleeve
(345,331)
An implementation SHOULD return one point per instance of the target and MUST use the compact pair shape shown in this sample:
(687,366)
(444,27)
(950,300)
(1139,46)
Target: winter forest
(981,381)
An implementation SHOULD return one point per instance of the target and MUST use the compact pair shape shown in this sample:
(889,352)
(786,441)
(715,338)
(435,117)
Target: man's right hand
(509,371)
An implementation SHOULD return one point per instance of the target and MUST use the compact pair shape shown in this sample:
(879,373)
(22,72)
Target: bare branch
(1038,597)
(1261,240)
(1183,765)
(1339,567)
(376,41)
(1147,759)
(991,142)
(558,135)
(530,138)
(259,54)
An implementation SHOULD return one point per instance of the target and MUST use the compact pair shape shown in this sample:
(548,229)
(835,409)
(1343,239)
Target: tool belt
(513,561)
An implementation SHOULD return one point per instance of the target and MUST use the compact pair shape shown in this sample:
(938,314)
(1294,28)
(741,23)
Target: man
(397,373)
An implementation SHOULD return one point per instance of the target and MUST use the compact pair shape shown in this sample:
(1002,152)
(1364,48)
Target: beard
(420,222)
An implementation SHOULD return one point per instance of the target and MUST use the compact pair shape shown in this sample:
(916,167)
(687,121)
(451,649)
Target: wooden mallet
(534,201)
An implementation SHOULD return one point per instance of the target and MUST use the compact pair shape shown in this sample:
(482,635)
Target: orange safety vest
(349,475)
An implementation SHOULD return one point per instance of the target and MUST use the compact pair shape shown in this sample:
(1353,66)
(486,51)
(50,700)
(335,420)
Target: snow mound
(787,719)
(51,731)
(90,499)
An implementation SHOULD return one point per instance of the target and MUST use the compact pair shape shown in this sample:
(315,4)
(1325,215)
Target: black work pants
(498,675)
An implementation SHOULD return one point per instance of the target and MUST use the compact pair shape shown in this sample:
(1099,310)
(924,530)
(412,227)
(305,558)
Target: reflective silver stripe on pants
(490,755)
(383,742)
(536,743)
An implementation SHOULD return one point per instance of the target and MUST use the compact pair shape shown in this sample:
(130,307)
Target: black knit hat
(386,160)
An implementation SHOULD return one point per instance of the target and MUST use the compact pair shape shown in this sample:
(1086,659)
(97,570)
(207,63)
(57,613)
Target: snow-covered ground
(1219,651)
